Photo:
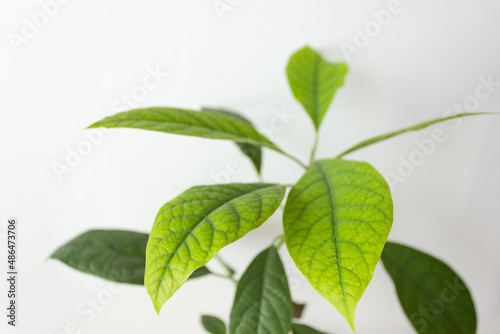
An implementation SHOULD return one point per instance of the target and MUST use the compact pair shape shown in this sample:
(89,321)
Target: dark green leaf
(314,82)
(417,127)
(262,303)
(200,272)
(336,222)
(191,229)
(118,256)
(303,329)
(213,325)
(254,152)
(433,296)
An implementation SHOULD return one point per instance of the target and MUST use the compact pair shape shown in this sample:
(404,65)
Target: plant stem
(294,159)
(315,146)
(278,241)
(227,268)
(226,277)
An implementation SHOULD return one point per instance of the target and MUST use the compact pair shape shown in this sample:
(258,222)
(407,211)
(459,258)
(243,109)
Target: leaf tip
(157,307)
(94,125)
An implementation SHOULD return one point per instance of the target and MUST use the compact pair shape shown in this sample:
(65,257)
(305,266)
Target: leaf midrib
(115,251)
(334,217)
(263,289)
(168,120)
(317,61)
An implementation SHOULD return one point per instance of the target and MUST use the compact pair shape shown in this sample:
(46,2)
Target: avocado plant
(336,222)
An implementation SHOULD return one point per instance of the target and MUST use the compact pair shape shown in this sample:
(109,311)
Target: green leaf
(314,82)
(433,296)
(262,303)
(114,255)
(118,256)
(189,123)
(303,329)
(254,152)
(417,127)
(213,325)
(190,230)
(336,222)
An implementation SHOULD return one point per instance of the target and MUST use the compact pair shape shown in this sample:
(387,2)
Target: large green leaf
(190,230)
(303,329)
(254,152)
(314,82)
(417,127)
(118,256)
(262,304)
(189,123)
(433,296)
(213,325)
(336,222)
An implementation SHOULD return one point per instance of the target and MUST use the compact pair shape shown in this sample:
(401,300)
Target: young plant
(336,221)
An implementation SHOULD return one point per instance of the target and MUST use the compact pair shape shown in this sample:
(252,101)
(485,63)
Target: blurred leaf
(303,329)
(262,303)
(213,325)
(314,82)
(433,296)
(114,255)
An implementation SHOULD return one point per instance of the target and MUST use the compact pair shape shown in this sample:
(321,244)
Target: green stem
(294,159)
(315,146)
(227,268)
(225,277)
(278,241)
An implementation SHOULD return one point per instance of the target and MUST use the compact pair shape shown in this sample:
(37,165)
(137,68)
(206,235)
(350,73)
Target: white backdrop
(84,62)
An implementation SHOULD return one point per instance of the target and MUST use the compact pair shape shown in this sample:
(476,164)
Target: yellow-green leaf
(190,230)
(189,123)
(416,127)
(336,222)
(314,82)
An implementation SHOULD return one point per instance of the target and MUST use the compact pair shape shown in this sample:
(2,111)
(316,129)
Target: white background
(428,58)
